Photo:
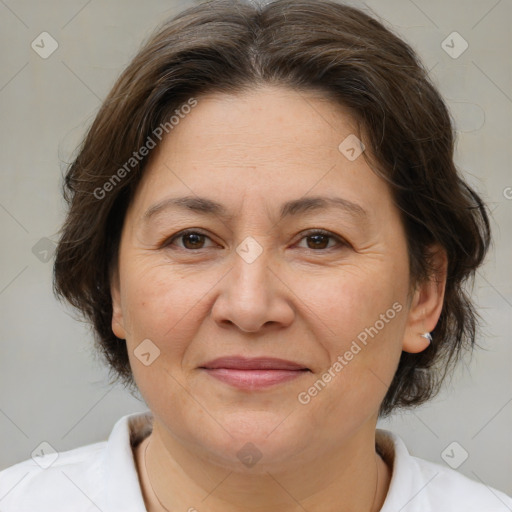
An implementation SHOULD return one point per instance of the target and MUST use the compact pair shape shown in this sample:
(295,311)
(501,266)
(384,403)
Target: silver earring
(427,336)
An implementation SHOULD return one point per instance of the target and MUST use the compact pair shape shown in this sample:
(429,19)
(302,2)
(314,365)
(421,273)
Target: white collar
(416,485)
(125,494)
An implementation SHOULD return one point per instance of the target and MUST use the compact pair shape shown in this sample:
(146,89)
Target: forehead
(264,145)
(277,119)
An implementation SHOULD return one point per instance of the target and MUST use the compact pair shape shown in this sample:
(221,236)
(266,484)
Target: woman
(270,237)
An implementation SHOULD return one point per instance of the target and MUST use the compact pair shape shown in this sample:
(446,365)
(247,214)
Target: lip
(253,373)
(253,363)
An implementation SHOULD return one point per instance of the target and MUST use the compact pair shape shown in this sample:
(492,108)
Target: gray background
(52,386)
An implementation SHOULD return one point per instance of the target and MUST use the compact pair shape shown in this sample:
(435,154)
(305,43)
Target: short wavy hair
(231,46)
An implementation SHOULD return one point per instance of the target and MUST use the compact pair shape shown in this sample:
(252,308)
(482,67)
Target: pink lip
(253,363)
(254,373)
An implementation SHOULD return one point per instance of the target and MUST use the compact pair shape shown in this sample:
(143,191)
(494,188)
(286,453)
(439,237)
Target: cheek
(349,300)
(162,304)
(362,316)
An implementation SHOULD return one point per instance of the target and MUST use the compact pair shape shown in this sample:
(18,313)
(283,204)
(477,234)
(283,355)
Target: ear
(426,304)
(117,312)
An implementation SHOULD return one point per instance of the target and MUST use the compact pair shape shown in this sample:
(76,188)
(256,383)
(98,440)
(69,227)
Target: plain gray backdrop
(54,389)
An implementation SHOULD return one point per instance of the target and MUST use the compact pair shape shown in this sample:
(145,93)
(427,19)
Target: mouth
(253,373)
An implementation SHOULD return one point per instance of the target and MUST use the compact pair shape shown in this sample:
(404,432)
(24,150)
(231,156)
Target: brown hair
(230,46)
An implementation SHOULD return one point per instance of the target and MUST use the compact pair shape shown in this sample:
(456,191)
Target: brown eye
(191,240)
(318,240)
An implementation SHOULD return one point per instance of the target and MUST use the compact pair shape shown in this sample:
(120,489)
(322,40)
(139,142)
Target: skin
(197,299)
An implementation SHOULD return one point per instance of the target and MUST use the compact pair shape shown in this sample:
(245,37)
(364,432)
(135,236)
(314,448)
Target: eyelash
(305,234)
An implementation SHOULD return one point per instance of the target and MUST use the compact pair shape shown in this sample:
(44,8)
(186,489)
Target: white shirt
(103,477)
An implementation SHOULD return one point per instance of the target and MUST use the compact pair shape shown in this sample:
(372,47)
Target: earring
(427,336)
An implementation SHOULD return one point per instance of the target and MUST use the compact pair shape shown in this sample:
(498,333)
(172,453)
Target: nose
(254,295)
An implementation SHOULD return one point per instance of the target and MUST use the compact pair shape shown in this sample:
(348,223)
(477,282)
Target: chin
(255,441)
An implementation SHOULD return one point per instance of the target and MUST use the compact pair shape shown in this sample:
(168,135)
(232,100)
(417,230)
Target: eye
(192,239)
(320,239)
(317,239)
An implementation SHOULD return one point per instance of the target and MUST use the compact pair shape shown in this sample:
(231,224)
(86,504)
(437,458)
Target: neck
(348,479)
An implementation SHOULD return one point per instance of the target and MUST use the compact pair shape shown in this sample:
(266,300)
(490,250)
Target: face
(262,268)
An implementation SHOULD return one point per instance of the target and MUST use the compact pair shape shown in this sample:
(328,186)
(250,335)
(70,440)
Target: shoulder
(455,490)
(421,485)
(100,476)
(53,479)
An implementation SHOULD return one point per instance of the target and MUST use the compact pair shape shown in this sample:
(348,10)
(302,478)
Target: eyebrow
(205,206)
